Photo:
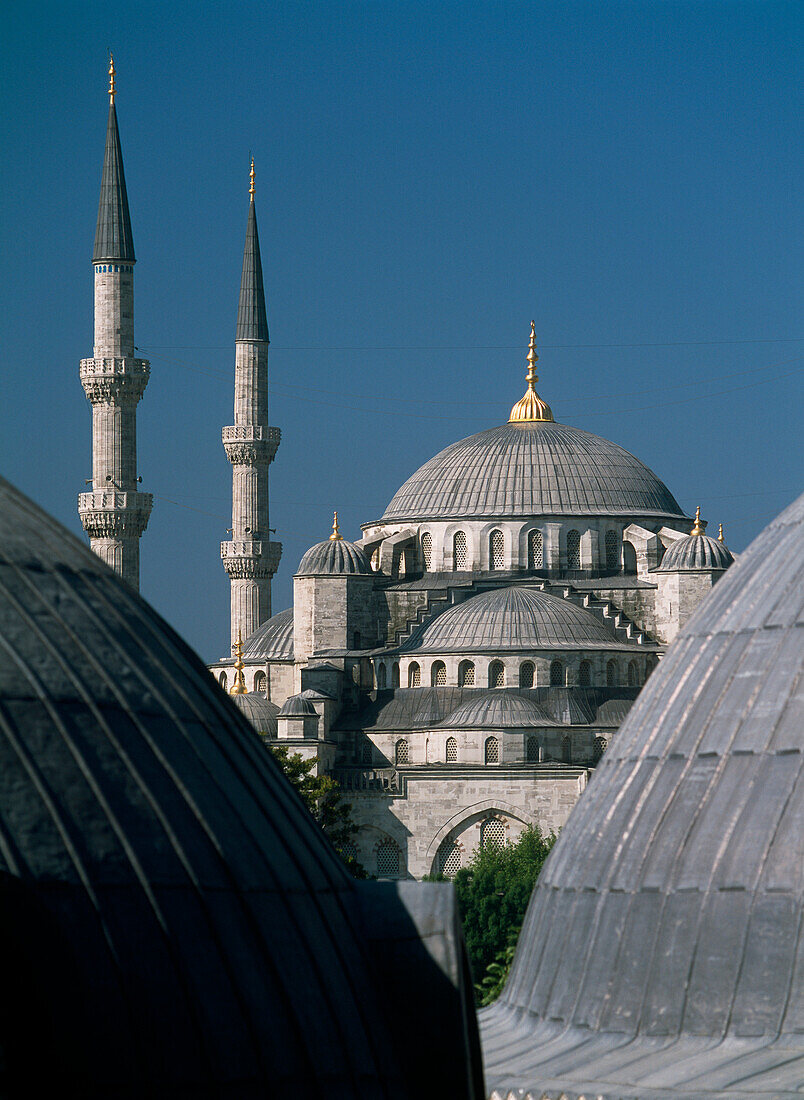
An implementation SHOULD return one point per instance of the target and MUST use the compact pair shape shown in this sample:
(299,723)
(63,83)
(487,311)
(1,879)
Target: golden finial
(251,180)
(700,524)
(111,78)
(531,407)
(720,537)
(239,685)
(336,535)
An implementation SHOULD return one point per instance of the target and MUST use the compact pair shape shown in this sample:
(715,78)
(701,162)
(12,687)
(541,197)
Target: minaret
(114,514)
(250,558)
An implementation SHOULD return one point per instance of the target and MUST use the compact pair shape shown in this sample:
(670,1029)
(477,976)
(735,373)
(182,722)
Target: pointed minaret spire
(250,558)
(114,513)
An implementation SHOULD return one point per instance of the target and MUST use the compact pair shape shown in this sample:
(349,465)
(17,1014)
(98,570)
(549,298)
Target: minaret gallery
(250,558)
(114,513)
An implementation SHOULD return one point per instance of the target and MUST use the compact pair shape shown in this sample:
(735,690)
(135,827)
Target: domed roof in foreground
(499,710)
(273,640)
(661,954)
(172,921)
(695,552)
(512,618)
(261,712)
(528,469)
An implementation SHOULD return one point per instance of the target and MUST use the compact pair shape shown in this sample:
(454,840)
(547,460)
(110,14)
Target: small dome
(297,706)
(512,618)
(695,552)
(273,641)
(260,712)
(333,556)
(498,710)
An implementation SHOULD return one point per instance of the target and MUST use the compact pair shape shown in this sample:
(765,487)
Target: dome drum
(618,666)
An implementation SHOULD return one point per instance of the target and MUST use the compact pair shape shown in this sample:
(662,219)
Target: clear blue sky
(430,177)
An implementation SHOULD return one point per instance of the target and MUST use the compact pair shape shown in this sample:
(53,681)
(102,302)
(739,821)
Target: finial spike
(720,537)
(251,180)
(699,526)
(532,357)
(336,535)
(239,685)
(112,91)
(531,407)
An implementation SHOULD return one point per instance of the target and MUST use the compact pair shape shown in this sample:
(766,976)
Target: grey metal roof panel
(252,318)
(531,469)
(273,640)
(679,877)
(333,556)
(113,236)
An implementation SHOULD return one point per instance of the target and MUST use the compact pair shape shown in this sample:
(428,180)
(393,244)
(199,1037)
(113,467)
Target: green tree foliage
(493,893)
(321,795)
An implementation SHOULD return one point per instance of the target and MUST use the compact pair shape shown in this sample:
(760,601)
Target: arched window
(459,554)
(375,558)
(450,860)
(382,676)
(612,552)
(496,550)
(401,752)
(585,674)
(395,674)
(566,749)
(222,680)
(573,549)
(492,754)
(532,750)
(612,677)
(633,675)
(492,833)
(466,674)
(601,744)
(356,640)
(496,674)
(414,675)
(452,750)
(438,674)
(629,559)
(388,859)
(259,682)
(427,549)
(535,550)
(367,754)
(556,674)
(526,671)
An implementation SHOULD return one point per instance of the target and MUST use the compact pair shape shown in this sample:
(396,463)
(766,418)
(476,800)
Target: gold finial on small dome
(699,526)
(239,685)
(251,180)
(720,537)
(531,407)
(112,91)
(336,535)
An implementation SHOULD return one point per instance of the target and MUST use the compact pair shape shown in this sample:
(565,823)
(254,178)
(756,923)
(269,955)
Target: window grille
(585,674)
(612,552)
(259,682)
(438,674)
(222,680)
(556,674)
(348,851)
(414,675)
(382,676)
(633,676)
(492,750)
(532,750)
(496,550)
(535,550)
(526,672)
(452,750)
(459,554)
(466,674)
(566,749)
(388,860)
(573,549)
(395,674)
(492,833)
(496,674)
(368,754)
(611,674)
(427,549)
(601,744)
(402,752)
(450,859)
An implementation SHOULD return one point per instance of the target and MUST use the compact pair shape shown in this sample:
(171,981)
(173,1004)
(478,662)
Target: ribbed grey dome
(261,712)
(695,552)
(498,710)
(531,469)
(297,705)
(333,556)
(273,640)
(662,954)
(512,618)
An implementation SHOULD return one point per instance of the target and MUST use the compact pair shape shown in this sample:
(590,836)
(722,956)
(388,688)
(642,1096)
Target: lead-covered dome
(531,468)
(512,619)
(333,556)
(696,552)
(261,712)
(500,710)
(273,640)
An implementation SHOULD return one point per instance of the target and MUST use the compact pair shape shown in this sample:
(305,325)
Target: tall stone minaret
(114,513)
(250,558)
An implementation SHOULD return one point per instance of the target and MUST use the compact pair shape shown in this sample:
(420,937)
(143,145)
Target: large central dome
(531,468)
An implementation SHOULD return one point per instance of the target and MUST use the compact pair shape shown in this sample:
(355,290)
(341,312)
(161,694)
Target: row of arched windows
(616,555)
(534,752)
(497,674)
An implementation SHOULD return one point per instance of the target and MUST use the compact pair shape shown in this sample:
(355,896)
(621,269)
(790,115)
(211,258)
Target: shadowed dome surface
(531,469)
(695,552)
(662,954)
(512,618)
(333,556)
(299,706)
(273,640)
(261,712)
(500,710)
(173,923)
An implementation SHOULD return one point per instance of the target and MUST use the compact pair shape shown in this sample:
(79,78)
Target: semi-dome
(261,712)
(512,618)
(498,710)
(530,468)
(661,954)
(273,641)
(298,706)
(335,555)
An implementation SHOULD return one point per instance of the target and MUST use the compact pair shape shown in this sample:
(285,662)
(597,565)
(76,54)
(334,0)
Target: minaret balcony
(106,380)
(247,444)
(251,559)
(113,514)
